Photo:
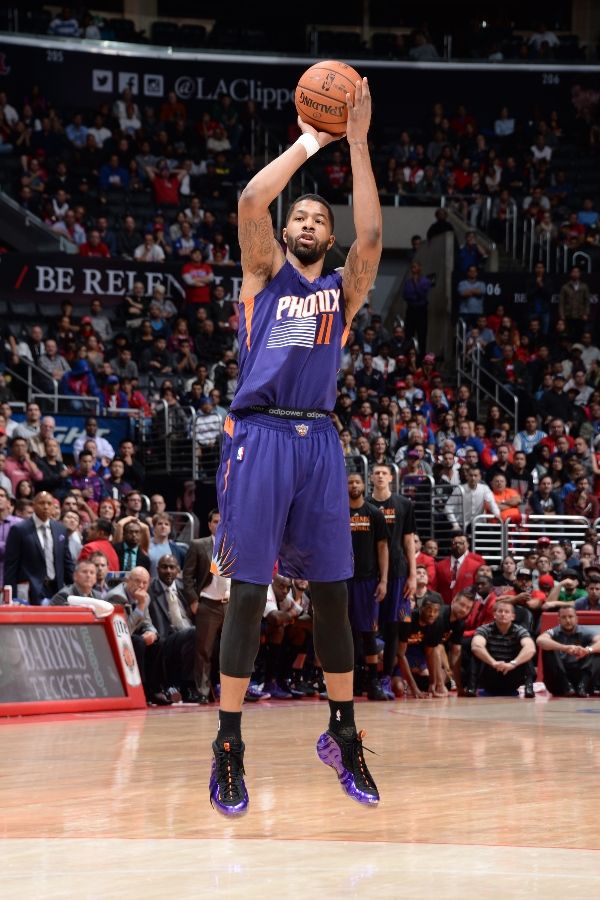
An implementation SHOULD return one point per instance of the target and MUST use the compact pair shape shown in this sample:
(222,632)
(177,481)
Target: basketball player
(282,482)
(400,520)
(368,586)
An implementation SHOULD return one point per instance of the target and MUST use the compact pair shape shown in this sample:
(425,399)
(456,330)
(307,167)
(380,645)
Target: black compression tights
(331,628)
(240,639)
(332,634)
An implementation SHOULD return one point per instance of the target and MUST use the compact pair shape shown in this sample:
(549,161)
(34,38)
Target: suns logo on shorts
(224,559)
(302,430)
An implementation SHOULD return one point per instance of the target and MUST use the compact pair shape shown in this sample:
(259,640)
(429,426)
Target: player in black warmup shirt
(368,587)
(420,635)
(400,521)
(451,623)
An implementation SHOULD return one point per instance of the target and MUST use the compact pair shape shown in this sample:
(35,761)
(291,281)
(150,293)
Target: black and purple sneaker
(347,758)
(228,794)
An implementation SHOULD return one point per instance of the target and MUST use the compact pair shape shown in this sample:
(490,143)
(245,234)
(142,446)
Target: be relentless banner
(56,277)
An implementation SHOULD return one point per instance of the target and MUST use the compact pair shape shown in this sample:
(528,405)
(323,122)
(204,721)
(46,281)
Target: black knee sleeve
(240,639)
(332,634)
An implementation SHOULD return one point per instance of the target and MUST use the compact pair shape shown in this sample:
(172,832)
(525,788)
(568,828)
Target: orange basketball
(321,95)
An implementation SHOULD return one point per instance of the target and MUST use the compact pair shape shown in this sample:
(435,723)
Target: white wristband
(310,144)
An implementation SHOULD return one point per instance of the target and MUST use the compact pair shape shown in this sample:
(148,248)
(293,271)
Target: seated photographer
(504,650)
(569,656)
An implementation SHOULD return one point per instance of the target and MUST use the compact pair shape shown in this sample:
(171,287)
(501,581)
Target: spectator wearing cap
(399,394)
(416,296)
(569,655)
(490,454)
(114,397)
(415,470)
(523,594)
(566,590)
(425,375)
(545,585)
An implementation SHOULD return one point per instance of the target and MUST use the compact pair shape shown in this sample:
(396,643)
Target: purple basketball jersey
(291,335)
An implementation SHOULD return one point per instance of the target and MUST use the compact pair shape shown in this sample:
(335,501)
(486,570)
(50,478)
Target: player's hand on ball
(323,137)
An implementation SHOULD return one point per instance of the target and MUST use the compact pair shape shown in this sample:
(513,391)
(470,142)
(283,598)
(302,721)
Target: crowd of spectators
(150,185)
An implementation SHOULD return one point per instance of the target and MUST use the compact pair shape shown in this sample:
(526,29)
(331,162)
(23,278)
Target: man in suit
(457,571)
(37,553)
(176,633)
(129,550)
(84,580)
(207,597)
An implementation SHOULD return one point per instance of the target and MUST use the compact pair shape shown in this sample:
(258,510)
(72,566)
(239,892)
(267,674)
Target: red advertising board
(66,659)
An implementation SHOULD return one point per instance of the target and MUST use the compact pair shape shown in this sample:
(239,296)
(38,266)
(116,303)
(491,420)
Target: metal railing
(358,464)
(167,442)
(494,540)
(484,385)
(522,538)
(184,526)
(488,537)
(62,403)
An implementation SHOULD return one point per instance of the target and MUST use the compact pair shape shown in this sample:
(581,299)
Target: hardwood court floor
(480,798)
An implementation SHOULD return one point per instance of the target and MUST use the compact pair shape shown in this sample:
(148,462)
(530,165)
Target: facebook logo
(129,80)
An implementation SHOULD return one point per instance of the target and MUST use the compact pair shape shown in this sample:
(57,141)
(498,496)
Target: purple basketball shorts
(363,608)
(394,605)
(283,495)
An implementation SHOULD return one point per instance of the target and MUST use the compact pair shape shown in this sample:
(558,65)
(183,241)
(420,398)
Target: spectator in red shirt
(94,246)
(166,184)
(198,276)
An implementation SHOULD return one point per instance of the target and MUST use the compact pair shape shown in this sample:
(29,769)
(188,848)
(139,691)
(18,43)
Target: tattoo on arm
(359,274)
(256,239)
